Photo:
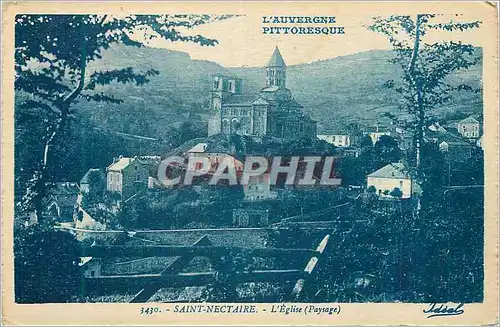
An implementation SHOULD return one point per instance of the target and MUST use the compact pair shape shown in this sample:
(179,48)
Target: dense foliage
(51,62)
(46,266)
(425,65)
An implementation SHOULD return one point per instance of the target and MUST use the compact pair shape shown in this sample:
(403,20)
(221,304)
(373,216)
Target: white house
(91,267)
(468,127)
(215,157)
(127,176)
(375,136)
(389,177)
(259,188)
(337,140)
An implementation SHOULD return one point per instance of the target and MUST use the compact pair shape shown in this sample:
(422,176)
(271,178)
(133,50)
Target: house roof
(469,119)
(64,193)
(84,261)
(392,170)
(198,148)
(436,127)
(276,59)
(121,164)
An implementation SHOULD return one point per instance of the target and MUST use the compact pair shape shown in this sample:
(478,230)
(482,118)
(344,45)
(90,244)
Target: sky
(242,43)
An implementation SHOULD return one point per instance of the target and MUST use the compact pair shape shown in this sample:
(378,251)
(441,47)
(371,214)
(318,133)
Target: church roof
(276,59)
(243,99)
(273,88)
(260,101)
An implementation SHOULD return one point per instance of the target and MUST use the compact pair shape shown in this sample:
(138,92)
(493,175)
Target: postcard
(250,163)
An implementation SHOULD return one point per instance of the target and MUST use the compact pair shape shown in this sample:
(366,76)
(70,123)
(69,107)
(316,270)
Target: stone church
(273,112)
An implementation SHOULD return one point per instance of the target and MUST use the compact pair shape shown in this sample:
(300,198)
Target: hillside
(335,91)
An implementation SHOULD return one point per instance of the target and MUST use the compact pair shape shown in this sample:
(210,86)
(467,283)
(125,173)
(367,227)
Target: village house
(273,112)
(259,189)
(127,176)
(337,140)
(61,202)
(390,177)
(90,267)
(375,136)
(468,127)
(453,146)
(351,152)
(215,156)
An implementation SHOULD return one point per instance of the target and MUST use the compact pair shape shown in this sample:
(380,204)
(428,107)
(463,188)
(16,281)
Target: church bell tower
(276,70)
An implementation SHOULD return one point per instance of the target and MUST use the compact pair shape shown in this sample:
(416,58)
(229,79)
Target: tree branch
(416,44)
(81,83)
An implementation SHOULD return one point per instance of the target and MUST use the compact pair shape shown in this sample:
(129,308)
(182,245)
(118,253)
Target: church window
(216,84)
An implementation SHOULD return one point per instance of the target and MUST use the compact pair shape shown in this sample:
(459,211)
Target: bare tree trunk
(64,110)
(419,104)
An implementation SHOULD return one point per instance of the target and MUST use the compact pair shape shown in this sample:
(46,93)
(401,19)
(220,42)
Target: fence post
(309,269)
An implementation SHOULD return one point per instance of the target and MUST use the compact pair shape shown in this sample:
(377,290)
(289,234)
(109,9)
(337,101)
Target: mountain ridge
(335,92)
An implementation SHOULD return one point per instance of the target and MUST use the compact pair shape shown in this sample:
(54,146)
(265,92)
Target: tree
(366,141)
(387,150)
(396,192)
(51,59)
(425,65)
(45,266)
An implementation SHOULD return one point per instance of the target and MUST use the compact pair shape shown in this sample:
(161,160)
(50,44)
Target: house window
(92,273)
(197,166)
(138,177)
